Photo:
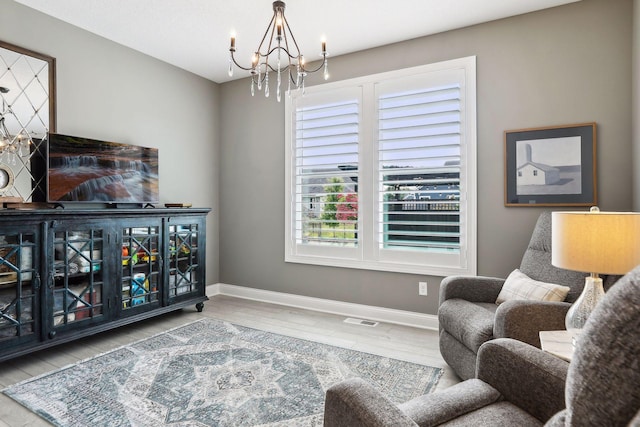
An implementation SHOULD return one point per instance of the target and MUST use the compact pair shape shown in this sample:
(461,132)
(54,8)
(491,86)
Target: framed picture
(551,166)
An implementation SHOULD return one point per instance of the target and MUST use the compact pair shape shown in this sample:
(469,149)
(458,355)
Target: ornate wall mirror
(27,115)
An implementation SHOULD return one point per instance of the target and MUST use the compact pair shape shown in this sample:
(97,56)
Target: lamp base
(581,309)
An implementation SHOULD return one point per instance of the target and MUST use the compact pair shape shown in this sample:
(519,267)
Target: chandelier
(281,55)
(10,144)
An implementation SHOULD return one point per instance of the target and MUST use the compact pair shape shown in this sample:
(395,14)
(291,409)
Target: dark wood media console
(66,274)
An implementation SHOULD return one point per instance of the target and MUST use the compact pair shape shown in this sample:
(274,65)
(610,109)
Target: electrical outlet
(422,288)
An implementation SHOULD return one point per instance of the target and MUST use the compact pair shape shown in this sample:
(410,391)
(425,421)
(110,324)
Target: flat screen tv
(87,170)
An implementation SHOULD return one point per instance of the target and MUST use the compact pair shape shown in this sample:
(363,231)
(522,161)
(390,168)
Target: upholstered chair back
(603,381)
(536,262)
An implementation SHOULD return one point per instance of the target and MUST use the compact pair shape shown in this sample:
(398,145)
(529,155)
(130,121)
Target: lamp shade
(596,242)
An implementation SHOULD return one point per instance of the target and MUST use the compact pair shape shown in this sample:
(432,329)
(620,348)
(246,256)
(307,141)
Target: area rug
(212,373)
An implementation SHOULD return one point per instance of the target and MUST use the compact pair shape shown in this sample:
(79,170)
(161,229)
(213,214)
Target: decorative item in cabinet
(183,259)
(78,282)
(76,302)
(140,266)
(18,292)
(9,262)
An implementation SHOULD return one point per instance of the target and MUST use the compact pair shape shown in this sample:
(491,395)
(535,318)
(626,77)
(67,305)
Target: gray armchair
(520,385)
(468,315)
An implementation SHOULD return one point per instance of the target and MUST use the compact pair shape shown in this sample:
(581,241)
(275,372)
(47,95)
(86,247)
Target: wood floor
(400,342)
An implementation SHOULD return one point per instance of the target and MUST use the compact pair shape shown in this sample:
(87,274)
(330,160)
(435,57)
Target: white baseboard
(380,314)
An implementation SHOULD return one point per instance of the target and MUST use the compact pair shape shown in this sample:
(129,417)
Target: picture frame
(551,166)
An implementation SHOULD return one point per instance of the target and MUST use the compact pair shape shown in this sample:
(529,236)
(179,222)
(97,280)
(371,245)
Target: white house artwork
(532,173)
(550,166)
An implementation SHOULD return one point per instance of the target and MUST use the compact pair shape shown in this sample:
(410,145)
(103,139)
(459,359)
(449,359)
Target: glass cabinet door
(141,267)
(185,269)
(77,286)
(19,286)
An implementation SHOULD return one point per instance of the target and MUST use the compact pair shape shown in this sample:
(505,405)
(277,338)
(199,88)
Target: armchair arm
(523,320)
(437,408)
(470,288)
(525,376)
(356,403)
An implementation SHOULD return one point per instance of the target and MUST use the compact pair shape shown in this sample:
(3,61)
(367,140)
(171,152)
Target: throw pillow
(520,286)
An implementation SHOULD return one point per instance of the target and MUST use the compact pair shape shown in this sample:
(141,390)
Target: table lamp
(598,243)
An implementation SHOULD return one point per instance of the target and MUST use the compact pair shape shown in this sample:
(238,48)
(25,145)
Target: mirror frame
(39,187)
(52,77)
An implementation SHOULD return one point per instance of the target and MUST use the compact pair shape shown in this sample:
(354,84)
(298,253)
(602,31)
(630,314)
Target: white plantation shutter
(419,168)
(325,162)
(394,154)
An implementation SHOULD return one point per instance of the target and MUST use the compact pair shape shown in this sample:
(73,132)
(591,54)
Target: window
(381,171)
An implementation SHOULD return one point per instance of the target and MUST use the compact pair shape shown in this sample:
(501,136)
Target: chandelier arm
(324,59)
(6,107)
(3,124)
(269,49)
(255,79)
(4,132)
(290,66)
(238,65)
(292,78)
(272,68)
(295,43)
(281,48)
(269,27)
(286,44)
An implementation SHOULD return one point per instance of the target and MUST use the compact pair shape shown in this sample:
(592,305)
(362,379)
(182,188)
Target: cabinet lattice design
(183,259)
(65,274)
(140,266)
(19,283)
(78,275)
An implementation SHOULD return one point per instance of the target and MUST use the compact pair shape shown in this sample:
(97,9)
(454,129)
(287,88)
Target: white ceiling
(194,34)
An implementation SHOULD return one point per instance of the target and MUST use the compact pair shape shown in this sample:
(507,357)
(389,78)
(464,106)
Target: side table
(559,343)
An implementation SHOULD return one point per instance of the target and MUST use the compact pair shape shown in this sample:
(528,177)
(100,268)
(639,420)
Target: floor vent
(361,322)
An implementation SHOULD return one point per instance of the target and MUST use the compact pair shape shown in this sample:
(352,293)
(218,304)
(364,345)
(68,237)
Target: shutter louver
(326,165)
(419,169)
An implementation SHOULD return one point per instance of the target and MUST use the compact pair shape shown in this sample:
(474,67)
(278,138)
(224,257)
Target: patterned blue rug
(212,373)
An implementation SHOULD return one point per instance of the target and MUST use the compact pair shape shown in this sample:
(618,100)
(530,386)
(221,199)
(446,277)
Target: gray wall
(107,91)
(570,64)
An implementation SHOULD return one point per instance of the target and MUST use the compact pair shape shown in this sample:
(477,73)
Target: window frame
(367,254)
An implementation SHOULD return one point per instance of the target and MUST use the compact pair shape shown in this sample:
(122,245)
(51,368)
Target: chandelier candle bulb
(232,48)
